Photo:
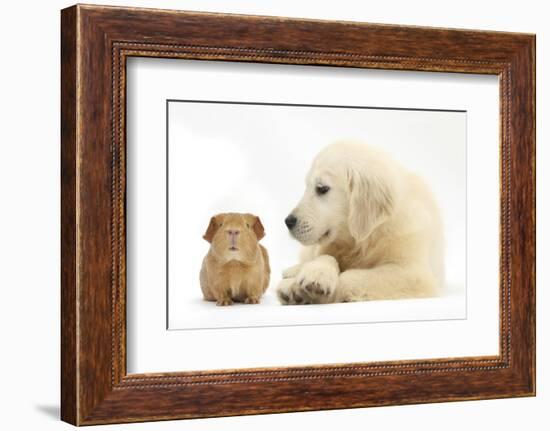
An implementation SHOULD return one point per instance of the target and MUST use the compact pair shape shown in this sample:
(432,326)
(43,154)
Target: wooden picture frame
(95,43)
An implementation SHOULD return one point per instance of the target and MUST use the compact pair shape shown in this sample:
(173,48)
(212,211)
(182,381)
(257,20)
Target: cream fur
(376,234)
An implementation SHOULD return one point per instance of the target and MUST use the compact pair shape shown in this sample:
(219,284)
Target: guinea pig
(236,268)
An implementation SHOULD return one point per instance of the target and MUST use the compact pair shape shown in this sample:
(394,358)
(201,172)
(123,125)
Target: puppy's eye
(321,189)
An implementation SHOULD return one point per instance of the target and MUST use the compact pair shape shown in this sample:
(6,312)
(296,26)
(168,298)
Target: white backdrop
(253,158)
(29,228)
(420,328)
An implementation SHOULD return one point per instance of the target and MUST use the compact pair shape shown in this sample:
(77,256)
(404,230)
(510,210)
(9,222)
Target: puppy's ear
(372,200)
(256,225)
(213,227)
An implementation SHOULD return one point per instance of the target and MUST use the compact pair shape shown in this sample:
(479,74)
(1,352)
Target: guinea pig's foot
(252,300)
(224,301)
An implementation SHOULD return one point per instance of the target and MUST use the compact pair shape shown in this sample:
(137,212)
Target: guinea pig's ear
(213,227)
(256,225)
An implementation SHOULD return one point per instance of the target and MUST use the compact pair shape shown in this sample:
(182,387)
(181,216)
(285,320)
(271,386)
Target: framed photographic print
(319,214)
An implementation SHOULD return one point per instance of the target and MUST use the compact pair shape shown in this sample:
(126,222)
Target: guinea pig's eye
(220,225)
(248,226)
(321,189)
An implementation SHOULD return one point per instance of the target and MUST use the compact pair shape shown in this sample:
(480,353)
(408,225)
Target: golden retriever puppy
(371,230)
(236,268)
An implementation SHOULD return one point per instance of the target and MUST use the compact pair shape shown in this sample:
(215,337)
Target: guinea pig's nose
(290,221)
(232,232)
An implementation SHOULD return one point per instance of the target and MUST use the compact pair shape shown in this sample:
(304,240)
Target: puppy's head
(234,236)
(350,190)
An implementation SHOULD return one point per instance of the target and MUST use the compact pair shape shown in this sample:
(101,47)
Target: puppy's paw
(317,281)
(287,292)
(224,301)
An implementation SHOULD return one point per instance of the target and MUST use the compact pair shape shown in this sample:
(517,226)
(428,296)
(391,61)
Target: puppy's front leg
(388,281)
(307,254)
(292,271)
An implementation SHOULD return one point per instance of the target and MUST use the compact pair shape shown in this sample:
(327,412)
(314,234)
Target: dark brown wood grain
(68,217)
(95,43)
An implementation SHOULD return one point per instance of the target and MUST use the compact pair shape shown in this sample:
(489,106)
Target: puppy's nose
(290,221)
